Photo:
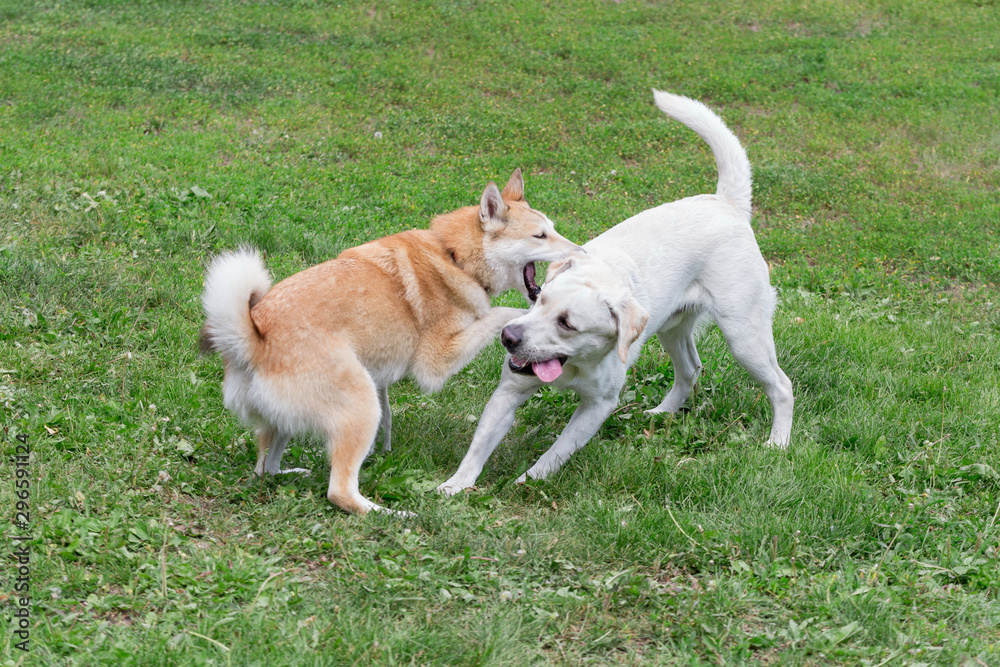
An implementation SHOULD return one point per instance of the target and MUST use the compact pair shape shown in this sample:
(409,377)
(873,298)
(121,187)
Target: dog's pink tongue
(547,371)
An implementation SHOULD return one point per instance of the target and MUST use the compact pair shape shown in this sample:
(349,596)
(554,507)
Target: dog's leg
(271,444)
(581,428)
(496,421)
(272,465)
(751,342)
(594,409)
(383,399)
(679,344)
(265,435)
(352,421)
(435,366)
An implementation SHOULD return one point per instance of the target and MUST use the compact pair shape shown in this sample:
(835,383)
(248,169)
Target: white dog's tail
(234,283)
(735,178)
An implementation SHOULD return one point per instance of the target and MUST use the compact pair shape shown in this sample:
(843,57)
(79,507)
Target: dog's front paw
(452,487)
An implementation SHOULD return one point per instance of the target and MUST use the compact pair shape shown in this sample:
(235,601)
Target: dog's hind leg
(383,401)
(679,344)
(751,342)
(352,421)
(271,444)
(265,437)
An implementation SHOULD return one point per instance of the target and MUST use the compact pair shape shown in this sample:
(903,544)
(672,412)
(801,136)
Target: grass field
(137,139)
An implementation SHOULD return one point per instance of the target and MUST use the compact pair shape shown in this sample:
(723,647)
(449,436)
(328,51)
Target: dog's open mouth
(529,281)
(546,371)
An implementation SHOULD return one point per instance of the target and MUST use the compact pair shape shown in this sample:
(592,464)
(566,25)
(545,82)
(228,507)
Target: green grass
(137,139)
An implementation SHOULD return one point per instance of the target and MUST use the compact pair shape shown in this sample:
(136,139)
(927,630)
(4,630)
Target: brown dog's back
(385,300)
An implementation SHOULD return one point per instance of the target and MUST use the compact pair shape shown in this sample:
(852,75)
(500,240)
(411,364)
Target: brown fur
(398,300)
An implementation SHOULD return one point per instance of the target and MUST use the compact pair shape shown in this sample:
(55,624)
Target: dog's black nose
(511,336)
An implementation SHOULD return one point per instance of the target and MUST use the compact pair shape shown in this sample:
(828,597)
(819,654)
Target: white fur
(663,272)
(231,280)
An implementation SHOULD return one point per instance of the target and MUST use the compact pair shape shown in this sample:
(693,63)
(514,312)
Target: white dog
(661,272)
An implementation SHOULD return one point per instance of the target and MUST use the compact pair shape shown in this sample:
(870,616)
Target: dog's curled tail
(735,177)
(235,281)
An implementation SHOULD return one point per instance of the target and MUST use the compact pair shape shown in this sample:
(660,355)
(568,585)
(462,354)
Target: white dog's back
(697,244)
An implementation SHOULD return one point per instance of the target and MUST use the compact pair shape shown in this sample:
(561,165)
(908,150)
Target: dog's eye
(563,323)
(541,236)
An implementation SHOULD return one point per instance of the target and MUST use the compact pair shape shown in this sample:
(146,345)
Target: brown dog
(319,351)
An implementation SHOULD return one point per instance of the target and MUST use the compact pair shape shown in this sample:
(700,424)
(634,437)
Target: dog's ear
(514,190)
(491,209)
(631,319)
(557,267)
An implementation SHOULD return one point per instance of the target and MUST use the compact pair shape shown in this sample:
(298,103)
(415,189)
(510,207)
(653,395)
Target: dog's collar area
(454,259)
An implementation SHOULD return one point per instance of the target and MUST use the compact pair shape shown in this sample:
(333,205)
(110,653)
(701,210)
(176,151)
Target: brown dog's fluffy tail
(235,281)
